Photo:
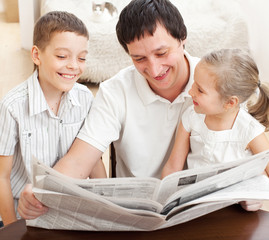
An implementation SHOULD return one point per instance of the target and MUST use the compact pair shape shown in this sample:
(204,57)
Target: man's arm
(81,161)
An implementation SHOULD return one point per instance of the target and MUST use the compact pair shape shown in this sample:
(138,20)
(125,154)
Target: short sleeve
(186,118)
(254,129)
(8,130)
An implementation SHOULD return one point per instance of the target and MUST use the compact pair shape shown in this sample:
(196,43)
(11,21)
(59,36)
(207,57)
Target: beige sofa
(211,24)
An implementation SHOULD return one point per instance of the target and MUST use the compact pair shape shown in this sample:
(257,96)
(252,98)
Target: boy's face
(61,63)
(206,99)
(160,59)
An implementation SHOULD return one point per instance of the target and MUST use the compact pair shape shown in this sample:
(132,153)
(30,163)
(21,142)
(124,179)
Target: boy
(42,116)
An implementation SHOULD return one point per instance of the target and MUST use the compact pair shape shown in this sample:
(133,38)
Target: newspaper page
(75,204)
(171,187)
(251,167)
(72,207)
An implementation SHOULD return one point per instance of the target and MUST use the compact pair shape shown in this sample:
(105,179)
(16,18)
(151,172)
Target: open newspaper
(144,204)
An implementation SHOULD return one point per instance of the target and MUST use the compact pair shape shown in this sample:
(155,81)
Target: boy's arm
(179,152)
(81,161)
(7,210)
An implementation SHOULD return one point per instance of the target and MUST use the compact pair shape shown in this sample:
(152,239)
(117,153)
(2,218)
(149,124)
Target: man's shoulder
(123,78)
(192,59)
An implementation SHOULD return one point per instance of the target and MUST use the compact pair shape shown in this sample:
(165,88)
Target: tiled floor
(16,64)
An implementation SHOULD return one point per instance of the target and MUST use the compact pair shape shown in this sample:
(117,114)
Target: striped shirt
(29,127)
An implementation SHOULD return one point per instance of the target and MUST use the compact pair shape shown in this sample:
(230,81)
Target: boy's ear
(232,102)
(35,55)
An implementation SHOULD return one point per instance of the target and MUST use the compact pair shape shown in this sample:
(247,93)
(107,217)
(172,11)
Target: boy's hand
(29,207)
(251,205)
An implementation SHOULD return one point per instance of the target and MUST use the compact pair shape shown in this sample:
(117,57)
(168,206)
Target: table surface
(232,223)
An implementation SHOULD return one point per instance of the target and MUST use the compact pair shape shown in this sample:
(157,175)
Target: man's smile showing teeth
(161,77)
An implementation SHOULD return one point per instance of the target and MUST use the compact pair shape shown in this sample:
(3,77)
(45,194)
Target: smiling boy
(42,116)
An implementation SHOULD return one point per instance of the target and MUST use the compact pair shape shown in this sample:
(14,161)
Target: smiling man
(139,108)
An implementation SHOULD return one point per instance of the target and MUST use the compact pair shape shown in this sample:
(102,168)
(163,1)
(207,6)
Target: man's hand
(251,205)
(29,207)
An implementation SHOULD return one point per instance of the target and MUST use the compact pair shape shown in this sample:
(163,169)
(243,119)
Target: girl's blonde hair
(237,75)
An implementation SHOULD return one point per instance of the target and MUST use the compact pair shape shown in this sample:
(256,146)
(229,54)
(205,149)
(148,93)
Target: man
(139,108)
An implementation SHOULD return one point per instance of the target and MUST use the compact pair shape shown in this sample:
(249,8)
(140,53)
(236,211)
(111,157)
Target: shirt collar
(148,96)
(37,101)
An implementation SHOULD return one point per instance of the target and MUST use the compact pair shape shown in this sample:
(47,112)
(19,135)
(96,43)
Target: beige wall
(11,10)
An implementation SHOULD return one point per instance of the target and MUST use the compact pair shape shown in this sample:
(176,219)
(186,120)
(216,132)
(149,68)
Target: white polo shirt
(141,124)
(28,127)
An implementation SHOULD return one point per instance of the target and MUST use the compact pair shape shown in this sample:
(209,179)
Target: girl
(216,129)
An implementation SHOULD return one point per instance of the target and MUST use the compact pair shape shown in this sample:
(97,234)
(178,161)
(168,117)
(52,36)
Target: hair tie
(259,83)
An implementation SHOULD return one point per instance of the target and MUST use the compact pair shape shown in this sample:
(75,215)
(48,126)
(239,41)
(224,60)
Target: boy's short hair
(142,16)
(56,22)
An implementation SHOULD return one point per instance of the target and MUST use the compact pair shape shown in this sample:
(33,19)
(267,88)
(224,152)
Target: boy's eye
(60,56)
(82,59)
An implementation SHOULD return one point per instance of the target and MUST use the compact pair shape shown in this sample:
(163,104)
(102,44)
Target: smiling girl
(216,129)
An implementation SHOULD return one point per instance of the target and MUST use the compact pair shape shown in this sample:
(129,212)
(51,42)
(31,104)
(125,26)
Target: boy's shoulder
(81,89)
(16,94)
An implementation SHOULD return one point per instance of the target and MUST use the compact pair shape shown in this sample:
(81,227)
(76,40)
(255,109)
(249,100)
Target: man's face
(160,59)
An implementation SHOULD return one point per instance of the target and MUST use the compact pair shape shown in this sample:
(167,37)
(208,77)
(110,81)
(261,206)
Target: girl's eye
(82,59)
(201,91)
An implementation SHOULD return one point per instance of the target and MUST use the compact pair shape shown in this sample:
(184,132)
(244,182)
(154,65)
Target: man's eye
(200,90)
(139,59)
(161,54)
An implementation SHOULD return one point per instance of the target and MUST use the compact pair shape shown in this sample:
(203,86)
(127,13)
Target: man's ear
(183,42)
(232,102)
(35,53)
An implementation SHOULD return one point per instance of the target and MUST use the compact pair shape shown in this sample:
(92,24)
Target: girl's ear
(232,102)
(35,53)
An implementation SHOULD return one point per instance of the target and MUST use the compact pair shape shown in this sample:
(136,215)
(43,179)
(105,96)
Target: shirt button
(61,121)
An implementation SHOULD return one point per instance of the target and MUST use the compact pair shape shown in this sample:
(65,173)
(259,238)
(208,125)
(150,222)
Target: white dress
(209,147)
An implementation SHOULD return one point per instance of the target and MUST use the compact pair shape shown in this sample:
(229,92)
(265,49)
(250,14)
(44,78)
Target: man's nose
(154,67)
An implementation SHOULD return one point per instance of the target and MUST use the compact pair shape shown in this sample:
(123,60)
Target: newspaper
(145,204)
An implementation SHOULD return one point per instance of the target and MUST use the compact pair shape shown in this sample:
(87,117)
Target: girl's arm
(179,152)
(260,144)
(7,210)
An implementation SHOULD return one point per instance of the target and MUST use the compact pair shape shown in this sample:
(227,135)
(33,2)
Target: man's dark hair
(142,16)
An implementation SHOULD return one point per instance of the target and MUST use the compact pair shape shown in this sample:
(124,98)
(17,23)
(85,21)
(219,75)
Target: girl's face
(205,97)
